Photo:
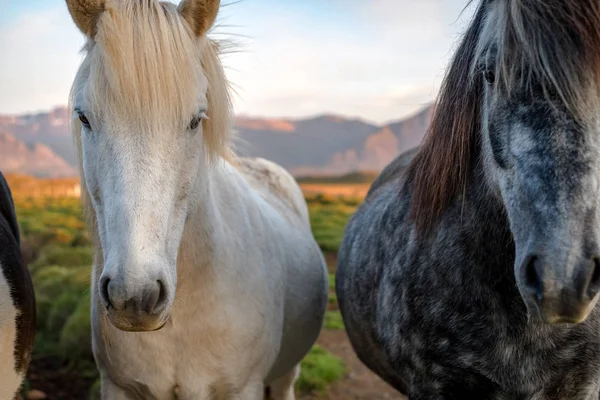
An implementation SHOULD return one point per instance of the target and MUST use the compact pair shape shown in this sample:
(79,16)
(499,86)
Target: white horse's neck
(216,186)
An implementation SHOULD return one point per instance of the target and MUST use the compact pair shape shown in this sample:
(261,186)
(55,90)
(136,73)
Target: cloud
(387,51)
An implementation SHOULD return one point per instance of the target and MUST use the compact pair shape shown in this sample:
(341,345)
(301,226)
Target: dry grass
(23,186)
(355,190)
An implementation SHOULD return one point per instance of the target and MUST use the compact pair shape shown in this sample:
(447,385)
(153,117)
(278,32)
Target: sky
(378,60)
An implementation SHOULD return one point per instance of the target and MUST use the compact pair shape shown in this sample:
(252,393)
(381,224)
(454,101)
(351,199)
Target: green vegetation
(333,320)
(331,281)
(319,369)
(59,253)
(328,218)
(95,391)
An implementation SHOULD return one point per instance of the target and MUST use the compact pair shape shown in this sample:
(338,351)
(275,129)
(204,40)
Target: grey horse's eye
(490,76)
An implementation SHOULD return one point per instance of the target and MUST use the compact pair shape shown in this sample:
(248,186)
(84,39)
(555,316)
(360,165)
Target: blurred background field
(59,253)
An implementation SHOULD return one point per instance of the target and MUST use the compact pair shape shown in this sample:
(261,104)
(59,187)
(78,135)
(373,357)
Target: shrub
(95,391)
(61,310)
(65,256)
(319,369)
(76,335)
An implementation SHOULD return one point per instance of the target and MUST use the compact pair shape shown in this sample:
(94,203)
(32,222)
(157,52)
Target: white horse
(212,257)
(17,301)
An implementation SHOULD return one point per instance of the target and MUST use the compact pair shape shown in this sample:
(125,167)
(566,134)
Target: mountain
(31,159)
(330,145)
(383,146)
(304,144)
(323,145)
(49,128)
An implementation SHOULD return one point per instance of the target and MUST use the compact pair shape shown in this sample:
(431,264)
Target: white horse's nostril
(163,295)
(157,297)
(149,298)
(104,282)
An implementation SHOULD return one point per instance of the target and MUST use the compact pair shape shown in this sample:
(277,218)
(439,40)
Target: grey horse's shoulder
(363,270)
(365,259)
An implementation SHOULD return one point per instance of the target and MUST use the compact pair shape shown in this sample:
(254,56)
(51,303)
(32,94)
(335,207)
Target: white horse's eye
(84,121)
(195,122)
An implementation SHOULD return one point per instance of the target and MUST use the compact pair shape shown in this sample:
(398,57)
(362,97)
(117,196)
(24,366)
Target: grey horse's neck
(478,226)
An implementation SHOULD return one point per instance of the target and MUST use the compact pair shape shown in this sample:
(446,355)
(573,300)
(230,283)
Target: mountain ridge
(321,145)
(34,159)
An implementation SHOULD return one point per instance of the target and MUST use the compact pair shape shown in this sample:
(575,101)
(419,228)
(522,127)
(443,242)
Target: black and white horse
(17,301)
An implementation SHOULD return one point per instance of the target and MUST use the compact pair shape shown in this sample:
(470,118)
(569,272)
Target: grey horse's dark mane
(554,44)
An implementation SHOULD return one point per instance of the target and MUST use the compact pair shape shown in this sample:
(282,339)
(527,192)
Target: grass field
(58,251)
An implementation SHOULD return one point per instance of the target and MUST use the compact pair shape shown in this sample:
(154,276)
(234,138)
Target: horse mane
(552,43)
(142,67)
(440,168)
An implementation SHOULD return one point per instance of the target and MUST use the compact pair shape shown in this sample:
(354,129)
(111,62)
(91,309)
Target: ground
(360,383)
(56,381)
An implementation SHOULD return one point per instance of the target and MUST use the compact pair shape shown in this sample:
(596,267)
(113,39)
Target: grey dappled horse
(474,273)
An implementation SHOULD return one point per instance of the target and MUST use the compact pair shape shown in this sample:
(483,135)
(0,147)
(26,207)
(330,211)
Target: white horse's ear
(85,14)
(200,14)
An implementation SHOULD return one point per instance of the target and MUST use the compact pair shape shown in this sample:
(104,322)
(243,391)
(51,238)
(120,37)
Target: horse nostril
(594,285)
(533,277)
(158,298)
(104,291)
(162,294)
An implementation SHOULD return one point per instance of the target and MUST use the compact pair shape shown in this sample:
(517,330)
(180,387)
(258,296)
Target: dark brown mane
(440,169)
(555,43)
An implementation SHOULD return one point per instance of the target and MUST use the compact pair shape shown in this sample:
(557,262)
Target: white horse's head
(148,99)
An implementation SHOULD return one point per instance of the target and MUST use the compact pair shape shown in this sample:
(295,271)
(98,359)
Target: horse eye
(195,122)
(489,76)
(84,121)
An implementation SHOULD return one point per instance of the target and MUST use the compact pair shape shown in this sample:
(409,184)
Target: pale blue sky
(376,59)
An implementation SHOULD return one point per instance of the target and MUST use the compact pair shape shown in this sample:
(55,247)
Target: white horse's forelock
(126,82)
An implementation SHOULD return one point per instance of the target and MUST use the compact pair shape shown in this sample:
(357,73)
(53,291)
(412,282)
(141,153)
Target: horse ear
(200,14)
(85,14)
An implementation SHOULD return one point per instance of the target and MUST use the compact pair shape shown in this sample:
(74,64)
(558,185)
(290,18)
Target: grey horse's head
(541,145)
(525,83)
